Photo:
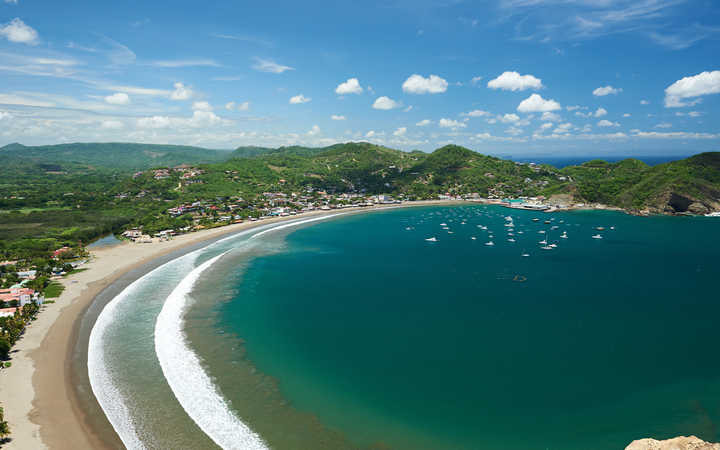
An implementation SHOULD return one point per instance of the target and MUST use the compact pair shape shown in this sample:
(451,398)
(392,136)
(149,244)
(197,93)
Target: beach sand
(41,403)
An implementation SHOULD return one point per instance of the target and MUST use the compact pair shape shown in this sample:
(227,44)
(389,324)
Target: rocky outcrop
(678,443)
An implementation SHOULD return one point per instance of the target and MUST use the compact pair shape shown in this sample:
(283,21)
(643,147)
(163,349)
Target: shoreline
(49,413)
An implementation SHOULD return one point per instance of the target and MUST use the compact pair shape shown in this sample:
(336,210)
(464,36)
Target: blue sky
(509,77)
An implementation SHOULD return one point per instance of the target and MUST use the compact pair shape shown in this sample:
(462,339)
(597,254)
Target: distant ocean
(354,332)
(564,161)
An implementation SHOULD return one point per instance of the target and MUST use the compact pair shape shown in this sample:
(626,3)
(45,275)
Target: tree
(4,427)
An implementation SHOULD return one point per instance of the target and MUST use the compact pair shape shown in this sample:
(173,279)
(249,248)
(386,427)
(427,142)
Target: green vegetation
(4,427)
(53,290)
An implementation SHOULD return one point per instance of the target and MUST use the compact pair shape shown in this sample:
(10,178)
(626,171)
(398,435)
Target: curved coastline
(60,410)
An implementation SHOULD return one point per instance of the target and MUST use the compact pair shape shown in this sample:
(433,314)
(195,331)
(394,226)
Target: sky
(503,77)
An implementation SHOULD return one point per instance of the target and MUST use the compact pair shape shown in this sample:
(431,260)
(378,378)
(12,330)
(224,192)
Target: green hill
(115,156)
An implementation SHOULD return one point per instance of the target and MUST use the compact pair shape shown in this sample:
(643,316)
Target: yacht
(543,242)
(564,235)
(490,243)
(432,239)
(511,240)
(597,236)
(473,238)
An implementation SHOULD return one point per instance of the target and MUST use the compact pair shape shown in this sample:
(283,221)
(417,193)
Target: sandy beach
(37,392)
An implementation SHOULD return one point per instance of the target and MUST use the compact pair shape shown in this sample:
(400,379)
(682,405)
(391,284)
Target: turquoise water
(388,339)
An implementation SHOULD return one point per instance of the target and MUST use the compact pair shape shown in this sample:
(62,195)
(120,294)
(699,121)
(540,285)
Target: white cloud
(351,86)
(535,103)
(514,131)
(186,63)
(314,131)
(607,123)
(181,92)
(563,128)
(476,113)
(573,108)
(449,123)
(704,83)
(626,115)
(546,125)
(417,84)
(5,115)
(689,113)
(268,65)
(244,106)
(509,118)
(423,123)
(400,131)
(673,135)
(337,117)
(298,99)
(112,125)
(476,80)
(118,98)
(370,134)
(550,117)
(385,103)
(600,112)
(17,31)
(11,2)
(606,90)
(408,109)
(201,106)
(513,81)
(199,119)
(644,102)
(663,125)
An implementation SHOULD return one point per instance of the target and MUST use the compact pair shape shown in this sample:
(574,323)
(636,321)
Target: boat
(536,220)
(511,240)
(543,242)
(547,221)
(473,238)
(432,239)
(490,243)
(600,228)
(553,245)
(541,232)
(443,224)
(564,235)
(597,236)
(525,254)
(546,247)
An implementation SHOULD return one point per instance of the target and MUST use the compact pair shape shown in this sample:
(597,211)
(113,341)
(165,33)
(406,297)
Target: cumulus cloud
(400,131)
(351,86)
(270,66)
(370,134)
(231,106)
(563,128)
(550,117)
(673,135)
(476,113)
(689,114)
(181,92)
(201,106)
(513,81)
(337,117)
(119,98)
(626,115)
(644,102)
(423,123)
(449,123)
(663,125)
(606,90)
(600,112)
(704,83)
(509,118)
(475,80)
(199,119)
(607,123)
(385,103)
(535,103)
(314,131)
(17,31)
(417,84)
(298,99)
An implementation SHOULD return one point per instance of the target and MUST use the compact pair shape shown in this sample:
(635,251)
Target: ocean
(356,332)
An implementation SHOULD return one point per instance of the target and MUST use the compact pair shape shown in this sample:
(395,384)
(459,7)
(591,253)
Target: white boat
(564,235)
(490,243)
(432,239)
(553,245)
(543,242)
(525,255)
(473,238)
(511,240)
(597,236)
(443,224)
(546,247)
(541,232)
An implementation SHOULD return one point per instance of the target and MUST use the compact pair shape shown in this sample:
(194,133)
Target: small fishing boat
(490,243)
(511,240)
(597,236)
(432,239)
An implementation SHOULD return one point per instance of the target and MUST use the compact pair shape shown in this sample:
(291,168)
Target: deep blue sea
(358,332)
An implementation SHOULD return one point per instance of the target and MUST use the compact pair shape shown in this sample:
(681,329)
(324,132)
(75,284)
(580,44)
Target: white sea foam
(191,385)
(180,365)
(106,392)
